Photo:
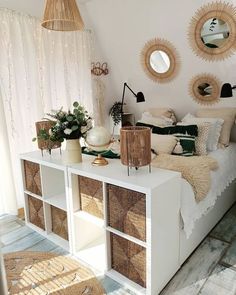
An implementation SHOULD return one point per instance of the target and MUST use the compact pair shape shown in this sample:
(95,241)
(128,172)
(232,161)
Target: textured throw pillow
(158,112)
(188,144)
(201,139)
(163,144)
(183,129)
(162,121)
(227,114)
(214,132)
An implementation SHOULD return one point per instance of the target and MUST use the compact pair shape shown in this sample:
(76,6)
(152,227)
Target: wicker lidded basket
(135,146)
(46,144)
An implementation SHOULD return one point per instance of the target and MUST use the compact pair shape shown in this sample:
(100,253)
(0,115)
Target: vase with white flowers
(70,125)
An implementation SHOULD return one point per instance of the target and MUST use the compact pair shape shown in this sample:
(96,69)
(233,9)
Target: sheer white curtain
(40,70)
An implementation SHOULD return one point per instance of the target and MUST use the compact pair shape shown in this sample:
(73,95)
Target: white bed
(199,218)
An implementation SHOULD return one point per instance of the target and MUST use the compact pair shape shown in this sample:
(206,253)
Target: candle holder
(135,147)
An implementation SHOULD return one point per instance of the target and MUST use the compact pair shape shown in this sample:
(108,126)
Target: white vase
(72,153)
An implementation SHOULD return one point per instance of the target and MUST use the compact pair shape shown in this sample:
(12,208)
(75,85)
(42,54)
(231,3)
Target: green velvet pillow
(181,129)
(188,144)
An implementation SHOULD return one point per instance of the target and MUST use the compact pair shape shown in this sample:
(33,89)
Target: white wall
(121,29)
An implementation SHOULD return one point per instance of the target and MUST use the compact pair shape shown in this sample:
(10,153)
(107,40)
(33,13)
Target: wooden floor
(211,270)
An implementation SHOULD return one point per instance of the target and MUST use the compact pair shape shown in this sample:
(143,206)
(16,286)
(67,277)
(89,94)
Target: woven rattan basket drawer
(36,215)
(59,222)
(127,211)
(129,259)
(91,196)
(32,178)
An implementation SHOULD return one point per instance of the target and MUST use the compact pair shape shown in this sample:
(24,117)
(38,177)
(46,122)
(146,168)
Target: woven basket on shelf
(135,146)
(127,211)
(129,259)
(32,178)
(59,222)
(91,196)
(42,143)
(36,215)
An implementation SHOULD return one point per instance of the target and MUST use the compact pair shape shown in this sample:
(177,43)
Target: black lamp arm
(234,87)
(123,95)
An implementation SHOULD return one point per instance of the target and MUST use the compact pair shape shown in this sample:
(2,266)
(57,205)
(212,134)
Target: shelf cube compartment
(127,211)
(91,196)
(89,244)
(36,212)
(59,222)
(129,259)
(32,178)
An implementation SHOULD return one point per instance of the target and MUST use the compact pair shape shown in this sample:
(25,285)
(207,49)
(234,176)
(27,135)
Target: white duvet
(221,178)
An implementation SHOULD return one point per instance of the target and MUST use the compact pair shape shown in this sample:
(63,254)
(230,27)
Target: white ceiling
(32,7)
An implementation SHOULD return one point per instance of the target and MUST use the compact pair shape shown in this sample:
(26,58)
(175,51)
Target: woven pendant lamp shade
(62,15)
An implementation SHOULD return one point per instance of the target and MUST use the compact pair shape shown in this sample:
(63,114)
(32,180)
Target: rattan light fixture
(62,15)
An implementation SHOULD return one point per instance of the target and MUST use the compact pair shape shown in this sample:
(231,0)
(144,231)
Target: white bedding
(221,178)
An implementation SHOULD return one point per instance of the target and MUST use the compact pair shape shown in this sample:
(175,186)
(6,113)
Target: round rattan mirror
(160,60)
(205,89)
(212,32)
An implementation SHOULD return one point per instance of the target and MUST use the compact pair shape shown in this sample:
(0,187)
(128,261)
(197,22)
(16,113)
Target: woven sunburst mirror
(160,60)
(205,89)
(212,31)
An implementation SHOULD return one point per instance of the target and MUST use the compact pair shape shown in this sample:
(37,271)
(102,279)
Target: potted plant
(115,113)
(71,126)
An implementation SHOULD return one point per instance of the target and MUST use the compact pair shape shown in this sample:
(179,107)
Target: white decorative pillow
(158,112)
(163,144)
(161,121)
(201,139)
(214,132)
(227,114)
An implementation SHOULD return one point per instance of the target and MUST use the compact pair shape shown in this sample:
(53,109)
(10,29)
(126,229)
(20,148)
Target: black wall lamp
(227,90)
(139,96)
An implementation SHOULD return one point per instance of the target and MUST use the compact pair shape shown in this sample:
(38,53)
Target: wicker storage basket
(127,211)
(135,146)
(32,178)
(36,215)
(129,259)
(91,196)
(46,144)
(59,222)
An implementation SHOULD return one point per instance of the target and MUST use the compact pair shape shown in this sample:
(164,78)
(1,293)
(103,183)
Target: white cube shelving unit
(117,223)
(133,218)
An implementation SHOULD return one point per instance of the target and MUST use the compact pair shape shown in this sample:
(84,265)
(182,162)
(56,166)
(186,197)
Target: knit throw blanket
(196,170)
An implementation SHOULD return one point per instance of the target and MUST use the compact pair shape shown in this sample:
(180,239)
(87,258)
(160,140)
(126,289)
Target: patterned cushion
(214,132)
(201,139)
(158,112)
(188,144)
(183,129)
(161,121)
(227,114)
(163,144)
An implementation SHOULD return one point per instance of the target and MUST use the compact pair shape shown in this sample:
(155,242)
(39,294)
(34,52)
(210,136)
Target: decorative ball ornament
(98,139)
